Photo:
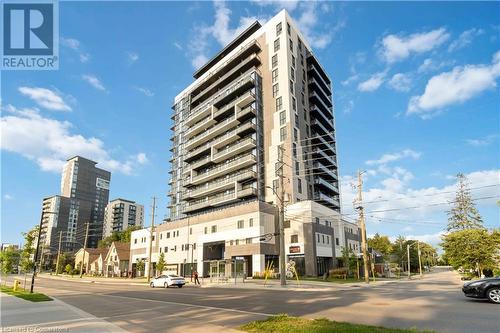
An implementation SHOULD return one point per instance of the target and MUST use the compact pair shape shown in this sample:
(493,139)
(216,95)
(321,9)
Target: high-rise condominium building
(265,90)
(83,199)
(120,214)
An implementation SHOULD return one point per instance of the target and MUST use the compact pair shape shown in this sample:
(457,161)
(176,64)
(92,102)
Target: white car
(167,281)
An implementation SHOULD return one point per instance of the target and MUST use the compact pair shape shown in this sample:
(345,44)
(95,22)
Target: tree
(118,236)
(9,259)
(464,214)
(28,249)
(472,249)
(68,269)
(381,244)
(348,259)
(139,265)
(160,265)
(65,259)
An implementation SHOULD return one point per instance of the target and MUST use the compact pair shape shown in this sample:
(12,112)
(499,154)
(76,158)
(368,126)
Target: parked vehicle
(168,281)
(488,288)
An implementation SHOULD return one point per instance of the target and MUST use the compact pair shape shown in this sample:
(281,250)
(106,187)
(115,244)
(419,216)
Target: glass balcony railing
(219,184)
(234,149)
(228,166)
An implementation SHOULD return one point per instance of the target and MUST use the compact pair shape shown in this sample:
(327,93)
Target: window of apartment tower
(275,75)
(299,44)
(294,150)
(275,90)
(190,231)
(294,238)
(292,73)
(336,241)
(318,237)
(168,234)
(283,133)
(288,27)
(293,61)
(317,220)
(282,118)
(303,101)
(294,104)
(206,230)
(241,224)
(291,86)
(135,241)
(248,241)
(165,249)
(250,222)
(291,45)
(296,119)
(278,29)
(237,242)
(299,185)
(279,103)
(274,60)
(295,134)
(276,45)
(214,228)
(297,168)
(323,239)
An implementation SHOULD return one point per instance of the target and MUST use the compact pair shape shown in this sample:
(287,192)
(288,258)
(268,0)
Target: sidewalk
(18,315)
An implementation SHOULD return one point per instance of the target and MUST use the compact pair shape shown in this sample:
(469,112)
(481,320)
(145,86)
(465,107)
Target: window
(278,29)
(293,61)
(153,238)
(175,248)
(292,73)
(299,185)
(295,134)
(294,104)
(194,247)
(323,239)
(303,101)
(206,230)
(135,241)
(317,220)
(165,249)
(177,233)
(231,242)
(282,118)
(168,234)
(291,86)
(291,45)
(279,103)
(294,239)
(214,228)
(317,237)
(276,45)
(288,27)
(161,236)
(327,239)
(294,150)
(190,231)
(275,75)
(241,224)
(250,222)
(248,241)
(296,119)
(300,44)
(275,90)
(283,133)
(237,242)
(336,241)
(182,249)
(275,60)
(297,168)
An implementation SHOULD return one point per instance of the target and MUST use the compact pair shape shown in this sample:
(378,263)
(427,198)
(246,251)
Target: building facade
(84,196)
(120,214)
(265,92)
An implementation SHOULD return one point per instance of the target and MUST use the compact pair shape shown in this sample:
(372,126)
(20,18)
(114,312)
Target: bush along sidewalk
(286,324)
(26,295)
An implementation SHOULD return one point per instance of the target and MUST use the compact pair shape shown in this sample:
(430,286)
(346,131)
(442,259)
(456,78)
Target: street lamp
(37,247)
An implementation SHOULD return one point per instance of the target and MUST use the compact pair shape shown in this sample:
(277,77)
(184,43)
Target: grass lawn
(334,280)
(286,324)
(35,297)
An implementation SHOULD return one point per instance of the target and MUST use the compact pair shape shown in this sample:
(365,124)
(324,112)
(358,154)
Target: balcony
(234,149)
(324,130)
(327,144)
(314,98)
(198,114)
(318,180)
(220,199)
(322,154)
(200,126)
(199,163)
(325,171)
(320,196)
(212,132)
(239,101)
(238,162)
(325,94)
(219,184)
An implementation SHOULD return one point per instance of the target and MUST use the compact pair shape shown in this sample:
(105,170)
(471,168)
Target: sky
(415,90)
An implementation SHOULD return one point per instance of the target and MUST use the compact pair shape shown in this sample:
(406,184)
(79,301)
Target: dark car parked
(488,288)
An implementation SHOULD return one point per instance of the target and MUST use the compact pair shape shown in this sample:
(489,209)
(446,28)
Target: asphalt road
(434,303)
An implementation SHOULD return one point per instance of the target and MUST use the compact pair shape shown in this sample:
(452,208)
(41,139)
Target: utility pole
(281,223)
(151,238)
(362,226)
(419,259)
(408,253)
(58,252)
(35,259)
(84,246)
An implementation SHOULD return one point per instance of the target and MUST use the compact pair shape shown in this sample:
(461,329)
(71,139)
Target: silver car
(167,280)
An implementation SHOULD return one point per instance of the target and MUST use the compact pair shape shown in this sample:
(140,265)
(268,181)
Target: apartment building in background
(120,214)
(265,90)
(83,199)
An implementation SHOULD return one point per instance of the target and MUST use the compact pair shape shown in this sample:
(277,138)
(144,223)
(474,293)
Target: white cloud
(7,196)
(387,158)
(455,87)
(178,46)
(395,48)
(350,79)
(349,107)
(132,57)
(373,83)
(465,39)
(94,81)
(76,46)
(50,142)
(46,98)
(289,5)
(145,91)
(431,65)
(485,141)
(400,82)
